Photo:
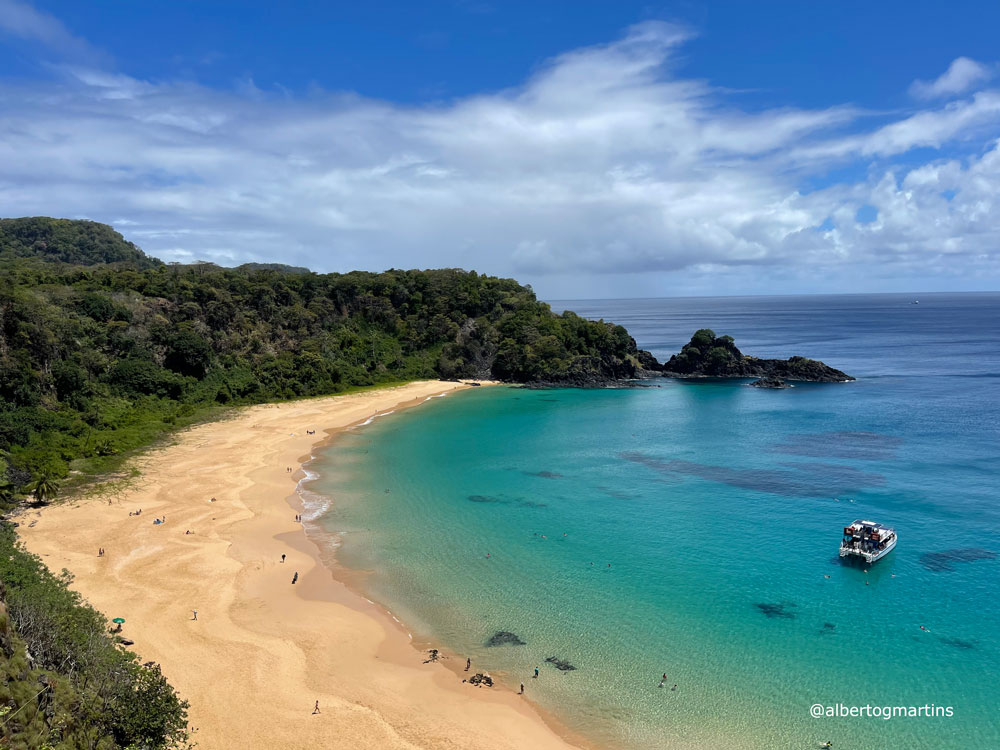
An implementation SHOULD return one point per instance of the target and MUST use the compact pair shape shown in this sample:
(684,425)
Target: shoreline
(257,641)
(350,579)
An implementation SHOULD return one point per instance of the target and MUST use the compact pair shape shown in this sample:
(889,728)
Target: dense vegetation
(64,681)
(103,349)
(68,241)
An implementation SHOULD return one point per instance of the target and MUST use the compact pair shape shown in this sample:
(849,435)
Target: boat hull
(871,557)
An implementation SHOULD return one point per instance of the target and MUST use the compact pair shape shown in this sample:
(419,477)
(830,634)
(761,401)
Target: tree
(45,488)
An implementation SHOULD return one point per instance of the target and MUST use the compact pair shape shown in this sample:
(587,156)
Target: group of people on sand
(135,512)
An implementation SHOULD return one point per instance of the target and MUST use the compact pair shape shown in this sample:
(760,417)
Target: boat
(868,540)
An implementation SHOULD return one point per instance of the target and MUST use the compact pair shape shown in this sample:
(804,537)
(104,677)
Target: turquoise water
(692,529)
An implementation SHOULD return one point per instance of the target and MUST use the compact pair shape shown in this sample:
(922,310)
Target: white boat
(868,540)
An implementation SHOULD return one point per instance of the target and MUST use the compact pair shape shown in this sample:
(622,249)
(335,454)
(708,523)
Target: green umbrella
(119,620)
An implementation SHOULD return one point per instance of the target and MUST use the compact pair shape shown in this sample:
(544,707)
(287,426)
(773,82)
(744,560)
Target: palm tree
(45,488)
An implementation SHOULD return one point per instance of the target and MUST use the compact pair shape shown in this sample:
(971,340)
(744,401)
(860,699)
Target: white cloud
(605,173)
(962,75)
(22,20)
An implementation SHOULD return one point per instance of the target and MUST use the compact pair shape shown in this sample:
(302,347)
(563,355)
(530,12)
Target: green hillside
(84,243)
(98,359)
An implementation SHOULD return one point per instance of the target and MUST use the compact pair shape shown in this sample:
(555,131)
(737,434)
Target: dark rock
(941,562)
(779,611)
(485,499)
(770,382)
(504,638)
(647,361)
(531,504)
(959,643)
(561,664)
(708,355)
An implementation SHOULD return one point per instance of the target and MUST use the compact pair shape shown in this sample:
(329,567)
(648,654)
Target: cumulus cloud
(605,173)
(962,75)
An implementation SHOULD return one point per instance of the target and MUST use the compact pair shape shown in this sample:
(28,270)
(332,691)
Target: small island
(708,355)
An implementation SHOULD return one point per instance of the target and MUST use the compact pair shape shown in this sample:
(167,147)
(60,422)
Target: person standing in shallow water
(522,689)
(536,672)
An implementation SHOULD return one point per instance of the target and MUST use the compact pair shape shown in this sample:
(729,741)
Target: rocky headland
(708,355)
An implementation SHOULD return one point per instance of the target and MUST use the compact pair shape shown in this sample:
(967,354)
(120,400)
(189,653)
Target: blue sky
(588,148)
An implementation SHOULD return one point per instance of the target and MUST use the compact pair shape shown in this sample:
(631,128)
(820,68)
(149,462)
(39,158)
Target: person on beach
(522,689)
(316,709)
(536,673)
(195,613)
(282,558)
(295,577)
(468,663)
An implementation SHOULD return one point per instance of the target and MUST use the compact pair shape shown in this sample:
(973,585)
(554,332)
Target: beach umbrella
(119,620)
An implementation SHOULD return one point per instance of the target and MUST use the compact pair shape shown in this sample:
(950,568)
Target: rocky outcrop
(504,638)
(561,664)
(769,382)
(708,355)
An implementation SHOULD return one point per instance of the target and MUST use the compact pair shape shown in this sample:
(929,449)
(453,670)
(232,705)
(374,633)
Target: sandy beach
(262,651)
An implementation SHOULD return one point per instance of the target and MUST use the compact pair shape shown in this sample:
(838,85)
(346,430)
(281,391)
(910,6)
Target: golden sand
(263,651)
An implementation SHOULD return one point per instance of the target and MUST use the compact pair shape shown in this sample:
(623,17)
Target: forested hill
(68,241)
(102,348)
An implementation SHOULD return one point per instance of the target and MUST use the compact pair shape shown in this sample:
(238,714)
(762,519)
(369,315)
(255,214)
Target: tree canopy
(102,349)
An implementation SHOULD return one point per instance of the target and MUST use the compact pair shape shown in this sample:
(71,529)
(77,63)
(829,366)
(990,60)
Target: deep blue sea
(691,528)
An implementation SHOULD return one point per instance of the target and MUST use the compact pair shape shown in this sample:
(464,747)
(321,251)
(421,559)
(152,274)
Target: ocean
(690,528)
